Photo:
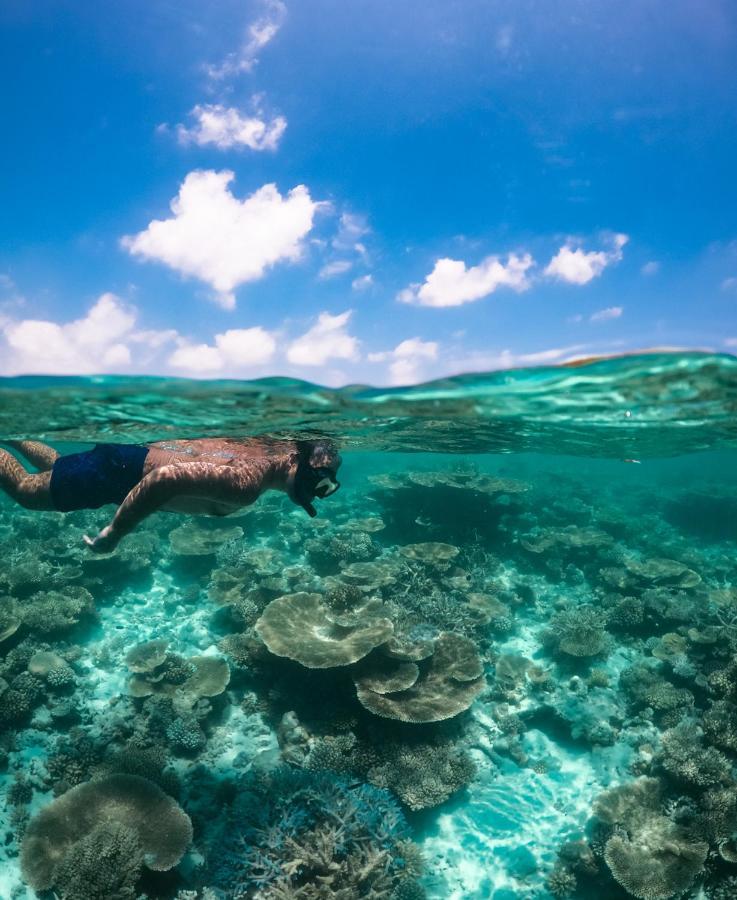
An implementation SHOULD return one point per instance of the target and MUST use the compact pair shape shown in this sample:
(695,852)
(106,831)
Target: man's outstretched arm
(231,484)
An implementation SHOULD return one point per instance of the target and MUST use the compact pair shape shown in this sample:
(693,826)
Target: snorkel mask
(316,473)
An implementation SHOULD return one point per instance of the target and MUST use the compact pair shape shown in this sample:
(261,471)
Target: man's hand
(105,542)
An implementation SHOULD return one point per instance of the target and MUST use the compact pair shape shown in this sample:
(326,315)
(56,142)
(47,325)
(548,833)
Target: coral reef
(522,668)
(147,816)
(311,835)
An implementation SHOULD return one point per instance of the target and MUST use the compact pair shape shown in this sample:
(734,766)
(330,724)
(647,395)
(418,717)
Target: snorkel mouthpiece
(315,476)
(326,486)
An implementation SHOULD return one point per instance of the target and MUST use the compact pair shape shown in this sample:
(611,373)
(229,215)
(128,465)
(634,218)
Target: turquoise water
(499,664)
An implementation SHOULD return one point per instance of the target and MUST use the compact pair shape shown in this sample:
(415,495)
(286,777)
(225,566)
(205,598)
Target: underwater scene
(499,664)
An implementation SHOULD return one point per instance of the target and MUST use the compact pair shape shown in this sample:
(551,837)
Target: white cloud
(730,342)
(508,359)
(154,338)
(351,228)
(222,240)
(604,315)
(95,343)
(327,339)
(362,282)
(651,268)
(451,284)
(576,266)
(233,351)
(224,127)
(258,35)
(337,267)
(406,360)
(346,246)
(729,284)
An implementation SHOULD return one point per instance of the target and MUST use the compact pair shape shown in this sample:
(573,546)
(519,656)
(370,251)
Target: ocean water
(499,665)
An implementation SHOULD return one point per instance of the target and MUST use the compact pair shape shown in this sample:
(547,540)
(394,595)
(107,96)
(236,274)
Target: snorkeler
(210,476)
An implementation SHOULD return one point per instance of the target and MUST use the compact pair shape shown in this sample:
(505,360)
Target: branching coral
(578,632)
(54,611)
(309,835)
(423,775)
(685,758)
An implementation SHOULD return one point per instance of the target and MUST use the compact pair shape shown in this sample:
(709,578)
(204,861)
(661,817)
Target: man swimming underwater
(210,476)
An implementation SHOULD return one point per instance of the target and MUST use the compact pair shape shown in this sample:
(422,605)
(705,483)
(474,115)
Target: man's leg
(31,491)
(39,455)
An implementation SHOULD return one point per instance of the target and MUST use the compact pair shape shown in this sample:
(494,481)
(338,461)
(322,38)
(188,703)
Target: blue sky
(364,190)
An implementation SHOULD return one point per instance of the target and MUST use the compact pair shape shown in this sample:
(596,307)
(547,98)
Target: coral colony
(501,680)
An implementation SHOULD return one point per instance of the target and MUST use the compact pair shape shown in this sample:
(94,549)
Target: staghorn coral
(720,725)
(309,835)
(683,756)
(422,775)
(578,632)
(48,612)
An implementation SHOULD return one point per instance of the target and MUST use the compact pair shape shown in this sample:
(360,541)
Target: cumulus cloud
(337,267)
(509,359)
(327,339)
(225,127)
(362,283)
(604,315)
(98,342)
(451,283)
(224,241)
(351,229)
(407,359)
(232,351)
(346,248)
(258,35)
(574,265)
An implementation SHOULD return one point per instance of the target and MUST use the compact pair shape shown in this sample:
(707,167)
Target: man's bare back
(207,476)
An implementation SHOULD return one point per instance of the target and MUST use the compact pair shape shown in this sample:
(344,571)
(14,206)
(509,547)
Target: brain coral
(162,828)
(450,681)
(300,627)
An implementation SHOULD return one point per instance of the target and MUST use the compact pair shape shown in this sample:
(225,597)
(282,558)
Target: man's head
(316,473)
